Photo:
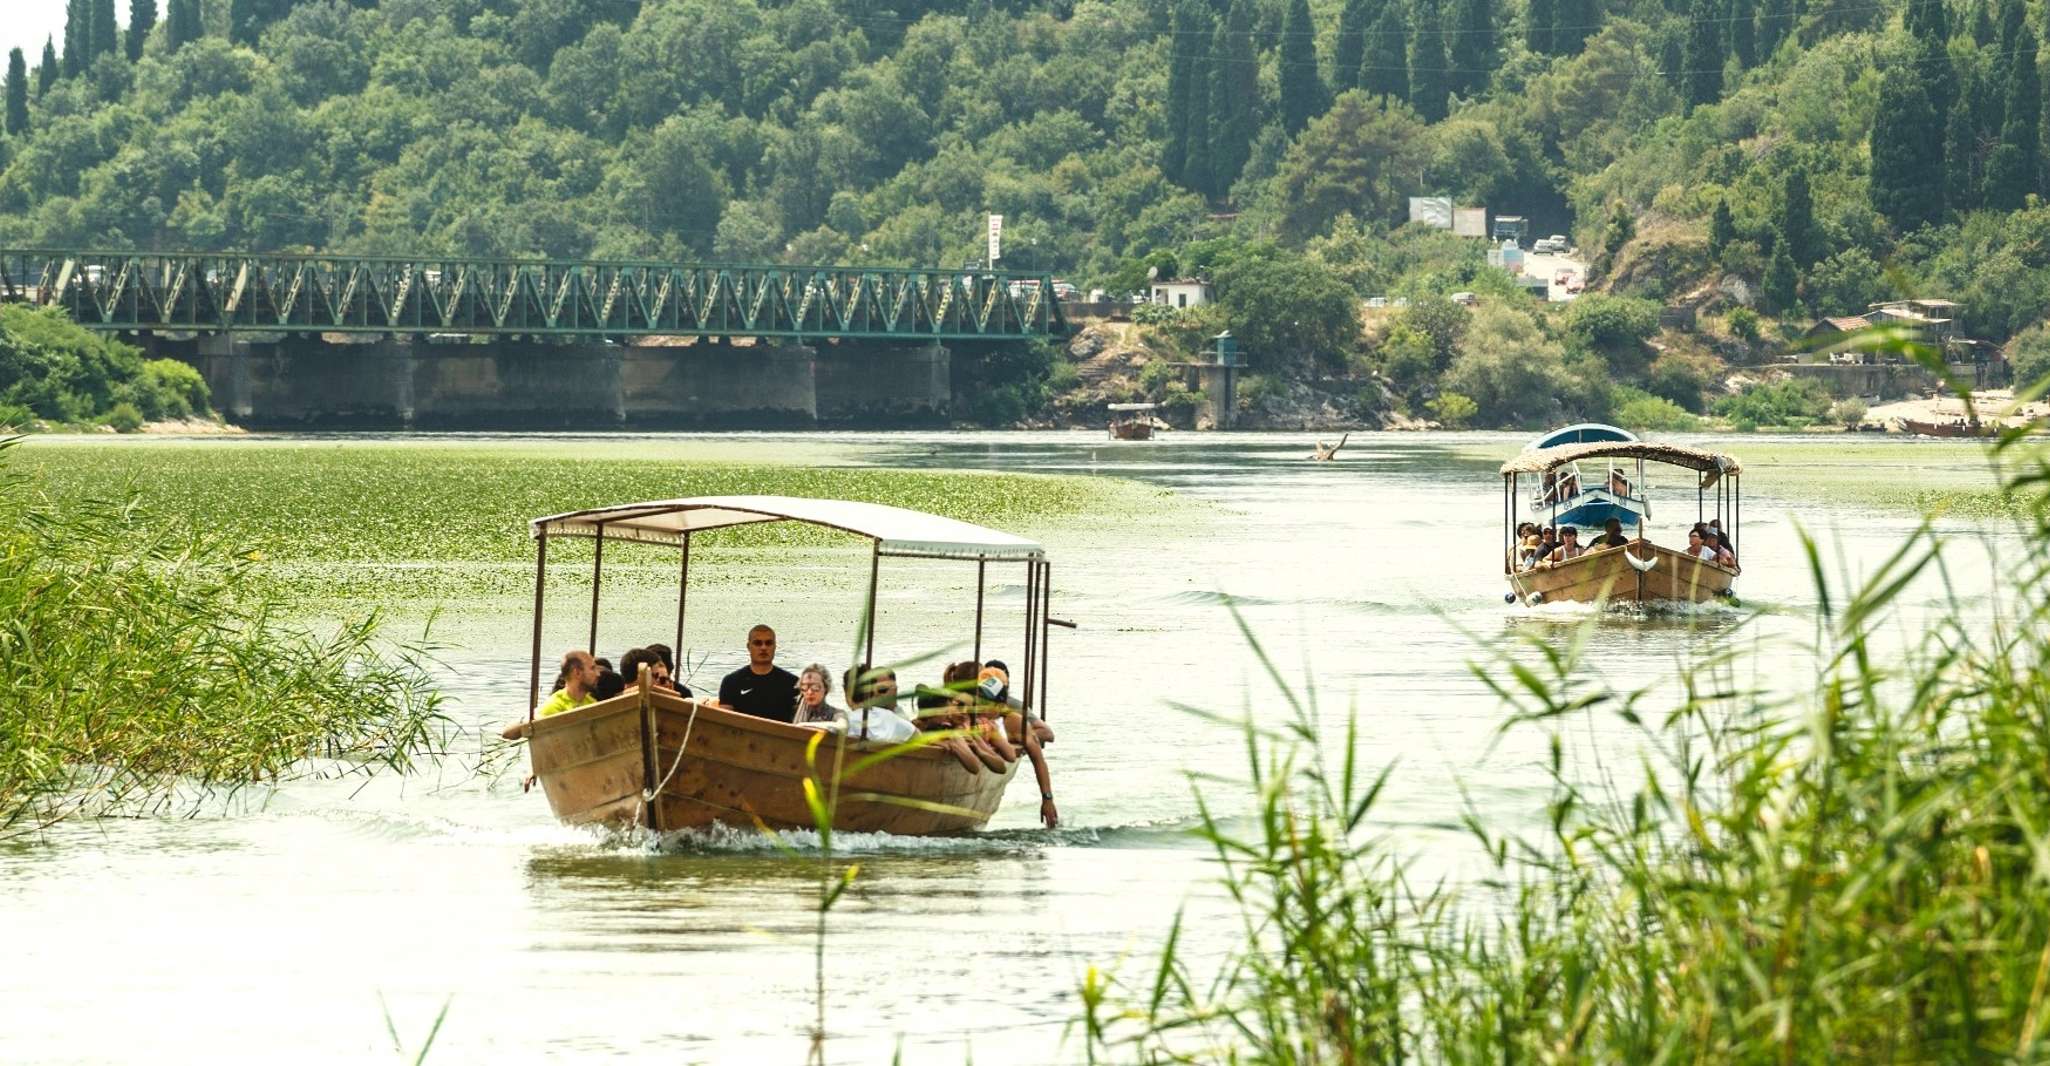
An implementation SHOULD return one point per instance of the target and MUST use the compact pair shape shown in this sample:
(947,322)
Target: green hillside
(1827,152)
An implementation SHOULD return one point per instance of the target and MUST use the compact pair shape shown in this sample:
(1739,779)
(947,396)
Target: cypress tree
(1960,157)
(1982,24)
(1672,63)
(17,94)
(106,32)
(1926,18)
(1722,229)
(1181,67)
(1775,21)
(1703,59)
(1798,233)
(2012,17)
(1537,26)
(1302,90)
(1907,153)
(1428,83)
(243,26)
(142,18)
(1473,47)
(1350,49)
(1780,280)
(46,71)
(1744,32)
(2011,171)
(1234,92)
(1572,22)
(1385,70)
(1196,164)
(78,37)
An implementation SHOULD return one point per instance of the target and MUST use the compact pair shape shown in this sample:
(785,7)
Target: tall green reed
(1857,871)
(144,670)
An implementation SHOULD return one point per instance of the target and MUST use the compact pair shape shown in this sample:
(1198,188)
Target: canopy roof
(1580,433)
(896,530)
(1132,406)
(1537,462)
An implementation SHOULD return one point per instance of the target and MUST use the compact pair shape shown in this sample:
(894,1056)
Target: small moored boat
(1582,482)
(1134,421)
(656,759)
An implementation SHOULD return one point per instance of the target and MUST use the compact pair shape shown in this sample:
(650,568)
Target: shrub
(1639,410)
(14,416)
(1155,375)
(124,418)
(2030,355)
(1849,412)
(1515,375)
(1683,377)
(1793,402)
(168,388)
(1453,409)
(1743,323)
(1064,376)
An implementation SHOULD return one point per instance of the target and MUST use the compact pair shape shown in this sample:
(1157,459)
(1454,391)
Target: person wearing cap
(994,684)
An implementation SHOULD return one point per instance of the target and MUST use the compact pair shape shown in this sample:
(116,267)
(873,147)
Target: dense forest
(1826,152)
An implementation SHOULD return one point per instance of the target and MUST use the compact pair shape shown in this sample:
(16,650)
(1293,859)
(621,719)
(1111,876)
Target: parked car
(1560,243)
(1377,301)
(1575,284)
(1465,298)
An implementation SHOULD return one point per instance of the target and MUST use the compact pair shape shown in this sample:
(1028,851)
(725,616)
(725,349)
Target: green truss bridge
(156,292)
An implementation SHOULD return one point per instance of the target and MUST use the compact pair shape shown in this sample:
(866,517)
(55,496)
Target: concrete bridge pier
(870,383)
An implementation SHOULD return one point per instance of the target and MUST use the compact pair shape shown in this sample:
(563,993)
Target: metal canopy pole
(682,601)
(1508,526)
(597,575)
(540,572)
(981,566)
(1031,646)
(875,569)
(1045,634)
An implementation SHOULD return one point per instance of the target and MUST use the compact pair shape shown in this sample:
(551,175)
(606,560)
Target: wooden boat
(1134,421)
(712,765)
(653,758)
(1641,571)
(1954,428)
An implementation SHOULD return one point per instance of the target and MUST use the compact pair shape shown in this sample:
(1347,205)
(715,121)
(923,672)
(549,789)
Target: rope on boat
(648,794)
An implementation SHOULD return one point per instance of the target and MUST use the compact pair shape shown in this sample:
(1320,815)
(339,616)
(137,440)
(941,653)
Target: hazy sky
(24,24)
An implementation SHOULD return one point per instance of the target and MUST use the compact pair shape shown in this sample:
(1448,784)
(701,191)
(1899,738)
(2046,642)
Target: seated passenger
(1569,546)
(668,658)
(936,713)
(1002,694)
(1721,541)
(873,714)
(1618,484)
(1698,546)
(960,680)
(1612,535)
(761,688)
(814,684)
(609,684)
(579,674)
(994,685)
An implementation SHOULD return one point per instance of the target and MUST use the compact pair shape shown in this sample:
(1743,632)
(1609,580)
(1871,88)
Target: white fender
(1534,599)
(1642,566)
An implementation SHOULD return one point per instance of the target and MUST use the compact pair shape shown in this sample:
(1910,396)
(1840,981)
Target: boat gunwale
(630,701)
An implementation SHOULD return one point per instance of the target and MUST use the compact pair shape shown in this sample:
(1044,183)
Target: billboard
(1431,211)
(1470,221)
(996,237)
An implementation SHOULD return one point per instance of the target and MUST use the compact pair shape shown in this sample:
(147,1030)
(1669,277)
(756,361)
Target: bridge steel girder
(156,292)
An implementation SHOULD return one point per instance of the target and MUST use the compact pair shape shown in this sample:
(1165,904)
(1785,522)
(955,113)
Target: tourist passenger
(1612,535)
(609,684)
(814,684)
(1031,738)
(960,681)
(761,688)
(579,674)
(1698,546)
(936,713)
(873,713)
(668,658)
(1003,695)
(1569,546)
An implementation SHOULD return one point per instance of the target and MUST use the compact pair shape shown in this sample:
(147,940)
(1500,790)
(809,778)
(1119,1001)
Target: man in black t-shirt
(761,688)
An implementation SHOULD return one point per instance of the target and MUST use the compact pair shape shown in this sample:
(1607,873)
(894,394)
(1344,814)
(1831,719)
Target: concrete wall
(1890,381)
(310,383)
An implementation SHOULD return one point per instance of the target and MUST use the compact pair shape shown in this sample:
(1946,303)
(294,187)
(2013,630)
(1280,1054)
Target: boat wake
(722,839)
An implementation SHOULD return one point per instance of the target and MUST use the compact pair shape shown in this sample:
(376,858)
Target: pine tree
(1572,22)
(1473,47)
(1196,164)
(2012,18)
(1982,24)
(1302,90)
(1234,94)
(1926,18)
(1960,156)
(1428,81)
(106,32)
(1798,233)
(1775,21)
(1907,153)
(1673,63)
(1780,280)
(46,71)
(1182,42)
(2011,170)
(1537,27)
(1703,59)
(17,94)
(1722,229)
(1350,49)
(142,18)
(1744,32)
(78,37)
(1385,70)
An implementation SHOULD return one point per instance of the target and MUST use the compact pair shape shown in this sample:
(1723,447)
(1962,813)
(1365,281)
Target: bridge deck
(149,292)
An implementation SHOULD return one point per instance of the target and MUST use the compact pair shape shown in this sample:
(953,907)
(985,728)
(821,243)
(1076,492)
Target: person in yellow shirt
(579,675)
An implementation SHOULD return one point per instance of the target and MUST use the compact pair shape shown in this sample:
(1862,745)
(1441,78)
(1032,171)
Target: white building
(1181,292)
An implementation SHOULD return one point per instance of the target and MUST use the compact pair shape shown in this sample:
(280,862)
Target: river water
(301,924)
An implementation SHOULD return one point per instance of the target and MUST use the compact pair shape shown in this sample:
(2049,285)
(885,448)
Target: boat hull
(1673,578)
(1131,431)
(741,771)
(1949,429)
